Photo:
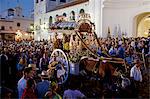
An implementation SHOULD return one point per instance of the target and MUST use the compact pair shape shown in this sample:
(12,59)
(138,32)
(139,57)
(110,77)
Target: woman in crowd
(22,64)
(29,92)
(27,74)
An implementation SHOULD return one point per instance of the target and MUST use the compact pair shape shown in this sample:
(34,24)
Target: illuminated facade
(15,26)
(124,17)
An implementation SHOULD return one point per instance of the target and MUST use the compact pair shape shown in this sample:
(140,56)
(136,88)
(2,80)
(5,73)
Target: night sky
(27,5)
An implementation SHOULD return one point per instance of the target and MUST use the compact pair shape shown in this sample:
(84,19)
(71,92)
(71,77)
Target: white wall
(123,15)
(68,10)
(104,13)
(24,24)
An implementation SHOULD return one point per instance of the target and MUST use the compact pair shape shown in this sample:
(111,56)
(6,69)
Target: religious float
(72,41)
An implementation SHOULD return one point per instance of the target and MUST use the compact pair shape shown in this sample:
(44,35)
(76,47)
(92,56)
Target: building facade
(15,26)
(123,17)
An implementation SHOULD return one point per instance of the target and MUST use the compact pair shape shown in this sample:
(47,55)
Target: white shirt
(60,72)
(120,42)
(133,44)
(136,73)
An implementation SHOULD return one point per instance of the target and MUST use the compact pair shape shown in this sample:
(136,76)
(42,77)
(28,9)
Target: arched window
(50,20)
(82,11)
(64,14)
(10,12)
(72,17)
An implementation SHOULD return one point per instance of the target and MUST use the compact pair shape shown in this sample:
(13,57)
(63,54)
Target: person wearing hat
(42,87)
(136,75)
(36,71)
(51,67)
(34,68)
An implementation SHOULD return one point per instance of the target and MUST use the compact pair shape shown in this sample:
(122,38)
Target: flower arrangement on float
(74,59)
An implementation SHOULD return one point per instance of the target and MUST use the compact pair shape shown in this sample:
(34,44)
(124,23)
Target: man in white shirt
(135,72)
(60,72)
(136,75)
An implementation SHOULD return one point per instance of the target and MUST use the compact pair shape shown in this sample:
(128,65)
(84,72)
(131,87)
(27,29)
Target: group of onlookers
(22,62)
(45,88)
(24,70)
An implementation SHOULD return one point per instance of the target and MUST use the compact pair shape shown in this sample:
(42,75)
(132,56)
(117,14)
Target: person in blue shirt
(42,87)
(99,51)
(113,51)
(22,64)
(28,73)
(129,59)
(121,51)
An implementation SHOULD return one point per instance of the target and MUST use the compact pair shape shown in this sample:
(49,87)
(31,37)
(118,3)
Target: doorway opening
(142,25)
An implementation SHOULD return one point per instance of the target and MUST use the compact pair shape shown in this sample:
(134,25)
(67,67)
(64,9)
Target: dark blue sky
(27,5)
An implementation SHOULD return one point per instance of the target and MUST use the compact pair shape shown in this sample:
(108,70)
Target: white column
(98,17)
(91,10)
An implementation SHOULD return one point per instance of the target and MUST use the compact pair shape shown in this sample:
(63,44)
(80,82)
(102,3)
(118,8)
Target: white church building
(131,17)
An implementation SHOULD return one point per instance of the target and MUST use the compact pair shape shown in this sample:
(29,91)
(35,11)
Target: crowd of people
(24,66)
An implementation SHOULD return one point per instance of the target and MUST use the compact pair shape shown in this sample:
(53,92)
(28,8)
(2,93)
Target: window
(82,11)
(37,1)
(50,20)
(40,21)
(10,13)
(72,17)
(52,0)
(10,28)
(64,14)
(62,0)
(56,18)
(18,24)
(2,27)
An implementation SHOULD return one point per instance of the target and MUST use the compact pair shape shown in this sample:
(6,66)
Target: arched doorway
(142,24)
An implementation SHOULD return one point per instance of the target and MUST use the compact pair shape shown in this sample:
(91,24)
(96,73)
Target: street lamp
(31,31)
(19,33)
(31,27)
